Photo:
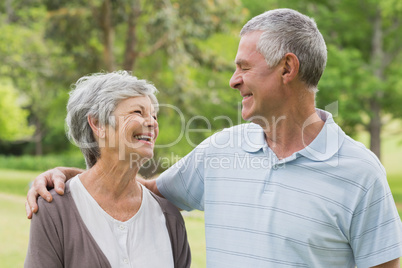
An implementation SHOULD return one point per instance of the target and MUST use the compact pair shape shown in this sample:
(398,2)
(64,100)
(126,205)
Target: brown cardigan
(60,238)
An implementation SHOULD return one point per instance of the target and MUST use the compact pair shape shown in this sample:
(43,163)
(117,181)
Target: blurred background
(187,49)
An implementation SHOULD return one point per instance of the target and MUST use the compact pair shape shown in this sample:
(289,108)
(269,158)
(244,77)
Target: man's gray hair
(286,30)
(98,95)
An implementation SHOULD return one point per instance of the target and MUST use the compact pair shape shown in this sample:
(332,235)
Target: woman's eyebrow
(136,106)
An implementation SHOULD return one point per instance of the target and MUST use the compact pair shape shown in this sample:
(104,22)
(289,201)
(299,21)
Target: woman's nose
(150,121)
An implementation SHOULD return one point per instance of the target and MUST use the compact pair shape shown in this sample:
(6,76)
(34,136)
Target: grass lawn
(14,231)
(16,182)
(196,237)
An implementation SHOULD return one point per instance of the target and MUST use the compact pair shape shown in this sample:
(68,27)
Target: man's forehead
(246,56)
(248,44)
(251,37)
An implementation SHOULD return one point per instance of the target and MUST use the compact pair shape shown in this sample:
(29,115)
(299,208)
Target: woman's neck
(111,179)
(114,187)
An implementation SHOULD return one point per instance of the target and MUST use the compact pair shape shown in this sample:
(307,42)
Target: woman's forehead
(141,102)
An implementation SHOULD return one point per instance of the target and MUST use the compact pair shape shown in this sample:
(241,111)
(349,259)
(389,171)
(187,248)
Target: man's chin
(246,116)
(251,117)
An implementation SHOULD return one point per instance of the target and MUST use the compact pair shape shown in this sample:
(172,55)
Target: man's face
(259,85)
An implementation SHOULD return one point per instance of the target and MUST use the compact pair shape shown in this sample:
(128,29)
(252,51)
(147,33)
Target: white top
(142,241)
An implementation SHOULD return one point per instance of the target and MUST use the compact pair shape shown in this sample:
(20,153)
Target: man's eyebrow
(240,62)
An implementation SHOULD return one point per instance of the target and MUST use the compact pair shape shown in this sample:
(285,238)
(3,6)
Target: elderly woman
(106,218)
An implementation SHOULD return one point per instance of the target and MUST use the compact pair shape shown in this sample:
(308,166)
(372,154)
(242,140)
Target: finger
(40,189)
(28,210)
(59,184)
(31,201)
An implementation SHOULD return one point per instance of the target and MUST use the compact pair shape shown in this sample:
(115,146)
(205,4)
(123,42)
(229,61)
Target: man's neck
(291,133)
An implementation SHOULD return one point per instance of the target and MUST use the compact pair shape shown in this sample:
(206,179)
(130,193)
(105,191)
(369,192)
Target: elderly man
(289,189)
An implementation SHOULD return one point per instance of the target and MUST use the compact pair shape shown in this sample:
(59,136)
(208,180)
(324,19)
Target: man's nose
(236,80)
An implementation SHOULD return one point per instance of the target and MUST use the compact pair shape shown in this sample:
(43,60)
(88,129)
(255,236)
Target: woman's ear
(290,67)
(97,128)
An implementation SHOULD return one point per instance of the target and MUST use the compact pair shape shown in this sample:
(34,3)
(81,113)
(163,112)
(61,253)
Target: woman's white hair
(286,30)
(98,95)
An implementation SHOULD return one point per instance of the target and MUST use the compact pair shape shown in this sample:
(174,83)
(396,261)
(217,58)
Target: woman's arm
(44,248)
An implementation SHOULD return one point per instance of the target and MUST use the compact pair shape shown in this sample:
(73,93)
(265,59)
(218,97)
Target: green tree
(162,41)
(13,119)
(36,66)
(365,39)
(39,69)
(165,41)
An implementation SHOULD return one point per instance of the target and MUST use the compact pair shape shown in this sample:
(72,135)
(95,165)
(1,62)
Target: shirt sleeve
(44,247)
(376,231)
(183,183)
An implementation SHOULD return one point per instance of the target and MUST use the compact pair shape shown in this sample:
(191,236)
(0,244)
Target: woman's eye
(138,112)
(154,116)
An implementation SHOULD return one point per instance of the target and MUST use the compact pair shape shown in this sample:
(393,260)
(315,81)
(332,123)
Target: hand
(53,178)
(150,185)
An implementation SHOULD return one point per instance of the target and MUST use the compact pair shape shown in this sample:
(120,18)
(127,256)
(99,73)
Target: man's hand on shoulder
(53,178)
(150,185)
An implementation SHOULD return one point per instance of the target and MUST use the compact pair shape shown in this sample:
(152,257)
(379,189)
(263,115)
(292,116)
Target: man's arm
(390,264)
(53,178)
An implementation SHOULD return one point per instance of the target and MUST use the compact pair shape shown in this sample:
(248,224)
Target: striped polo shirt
(328,205)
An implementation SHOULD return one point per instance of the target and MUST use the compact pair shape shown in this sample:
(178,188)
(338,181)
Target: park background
(186,48)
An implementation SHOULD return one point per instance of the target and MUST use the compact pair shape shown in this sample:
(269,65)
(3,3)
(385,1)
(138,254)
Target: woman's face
(135,132)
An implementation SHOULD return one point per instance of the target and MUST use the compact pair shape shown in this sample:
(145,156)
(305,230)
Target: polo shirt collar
(323,147)
(253,138)
(327,142)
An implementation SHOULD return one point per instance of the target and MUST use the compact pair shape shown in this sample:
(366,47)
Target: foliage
(186,48)
(37,67)
(203,108)
(162,41)
(369,65)
(13,119)
(346,84)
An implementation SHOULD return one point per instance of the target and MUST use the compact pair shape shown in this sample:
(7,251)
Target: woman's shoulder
(61,204)
(168,208)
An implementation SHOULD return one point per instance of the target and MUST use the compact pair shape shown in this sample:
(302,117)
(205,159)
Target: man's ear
(291,66)
(97,128)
